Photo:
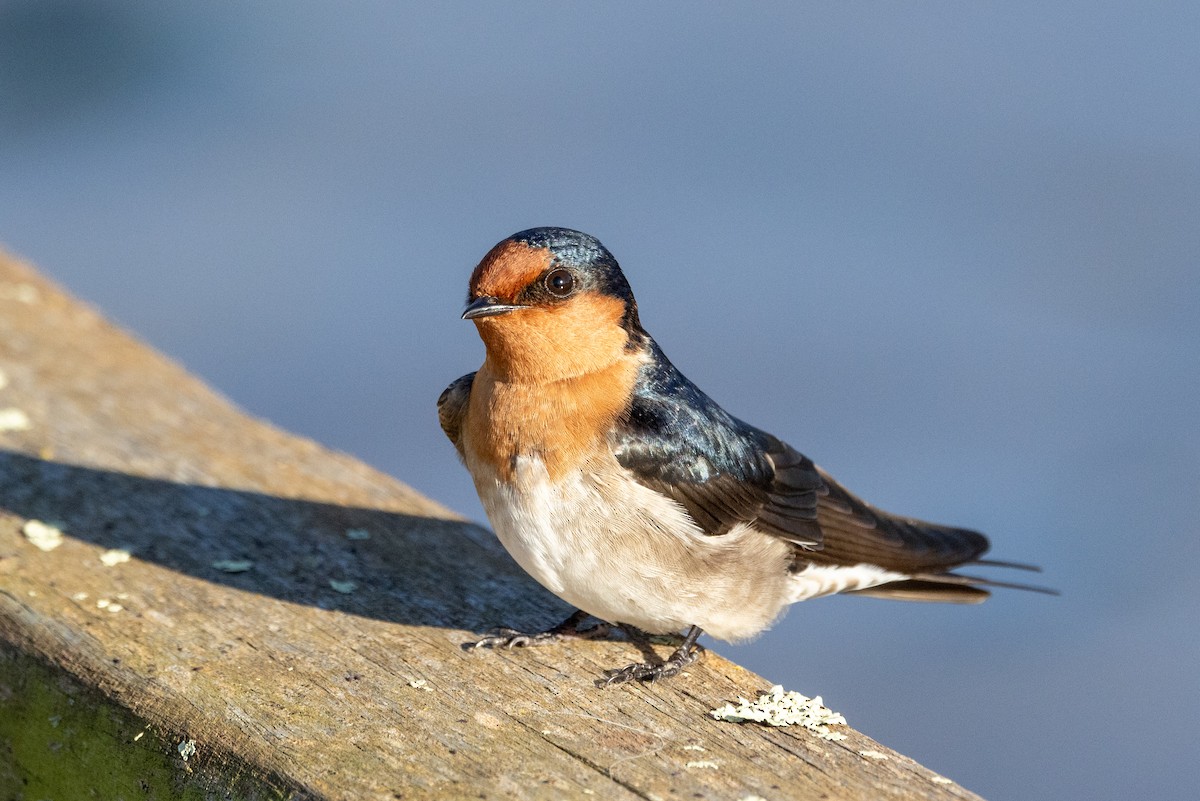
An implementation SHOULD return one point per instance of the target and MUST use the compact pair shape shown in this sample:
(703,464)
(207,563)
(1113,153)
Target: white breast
(624,553)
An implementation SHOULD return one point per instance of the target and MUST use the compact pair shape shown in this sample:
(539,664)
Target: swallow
(623,489)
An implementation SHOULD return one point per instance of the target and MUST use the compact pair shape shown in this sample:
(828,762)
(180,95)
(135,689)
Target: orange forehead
(508,268)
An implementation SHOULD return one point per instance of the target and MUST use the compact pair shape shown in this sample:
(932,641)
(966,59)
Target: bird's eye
(560,282)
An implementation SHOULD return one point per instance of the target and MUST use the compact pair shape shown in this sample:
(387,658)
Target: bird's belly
(626,554)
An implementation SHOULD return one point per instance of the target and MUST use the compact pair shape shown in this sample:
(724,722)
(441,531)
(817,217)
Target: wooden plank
(333,662)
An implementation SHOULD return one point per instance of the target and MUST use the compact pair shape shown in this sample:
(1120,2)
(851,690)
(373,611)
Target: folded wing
(676,440)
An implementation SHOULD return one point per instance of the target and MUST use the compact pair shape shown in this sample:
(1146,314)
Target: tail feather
(924,590)
(960,579)
(1000,563)
(952,587)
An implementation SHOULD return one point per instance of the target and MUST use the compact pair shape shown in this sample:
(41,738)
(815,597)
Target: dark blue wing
(677,441)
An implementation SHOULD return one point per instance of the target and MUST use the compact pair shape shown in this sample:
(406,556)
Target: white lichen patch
(693,747)
(79,596)
(108,605)
(115,556)
(187,749)
(777,707)
(420,684)
(936,779)
(42,535)
(873,755)
(357,534)
(233,565)
(344,587)
(707,764)
(14,419)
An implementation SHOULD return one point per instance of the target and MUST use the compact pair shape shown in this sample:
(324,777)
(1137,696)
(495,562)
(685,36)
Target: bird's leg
(568,629)
(687,653)
(643,641)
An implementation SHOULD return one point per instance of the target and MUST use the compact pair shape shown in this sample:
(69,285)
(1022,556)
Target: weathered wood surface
(360,695)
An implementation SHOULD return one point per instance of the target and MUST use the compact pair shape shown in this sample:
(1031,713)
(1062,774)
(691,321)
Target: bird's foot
(567,630)
(644,671)
(687,654)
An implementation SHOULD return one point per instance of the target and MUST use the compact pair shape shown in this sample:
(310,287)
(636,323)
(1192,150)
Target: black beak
(487,306)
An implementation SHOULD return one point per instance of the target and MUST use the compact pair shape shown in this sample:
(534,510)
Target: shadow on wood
(409,569)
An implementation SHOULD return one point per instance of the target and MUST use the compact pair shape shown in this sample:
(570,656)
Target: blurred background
(949,251)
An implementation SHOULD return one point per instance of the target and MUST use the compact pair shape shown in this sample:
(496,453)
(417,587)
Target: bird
(622,488)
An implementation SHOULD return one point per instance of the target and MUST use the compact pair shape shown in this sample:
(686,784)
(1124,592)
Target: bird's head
(552,303)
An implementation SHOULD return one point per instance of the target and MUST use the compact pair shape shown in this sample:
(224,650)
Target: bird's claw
(511,638)
(496,638)
(644,671)
(504,637)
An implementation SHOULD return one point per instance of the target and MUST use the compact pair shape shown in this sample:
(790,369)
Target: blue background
(947,250)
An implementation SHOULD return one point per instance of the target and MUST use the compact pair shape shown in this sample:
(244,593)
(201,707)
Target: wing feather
(677,441)
(452,408)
